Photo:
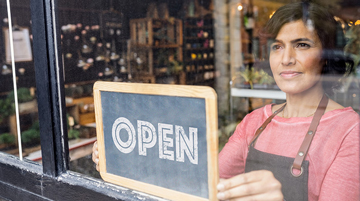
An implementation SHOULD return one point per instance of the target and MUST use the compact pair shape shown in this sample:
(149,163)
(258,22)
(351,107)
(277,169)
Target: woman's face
(295,58)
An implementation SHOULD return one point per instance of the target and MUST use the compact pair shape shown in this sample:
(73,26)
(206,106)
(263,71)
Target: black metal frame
(50,94)
(26,180)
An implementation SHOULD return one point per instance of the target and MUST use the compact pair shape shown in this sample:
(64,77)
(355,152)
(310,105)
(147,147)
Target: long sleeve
(341,181)
(231,157)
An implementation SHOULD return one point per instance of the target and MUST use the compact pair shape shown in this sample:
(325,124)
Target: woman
(308,147)
(267,157)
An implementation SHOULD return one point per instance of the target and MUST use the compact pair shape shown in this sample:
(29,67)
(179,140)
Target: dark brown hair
(325,26)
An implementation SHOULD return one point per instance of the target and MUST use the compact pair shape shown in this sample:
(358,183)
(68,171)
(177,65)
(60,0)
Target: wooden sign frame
(206,93)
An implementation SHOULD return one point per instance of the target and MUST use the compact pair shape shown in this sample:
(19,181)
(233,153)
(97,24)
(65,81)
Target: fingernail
(220,187)
(96,153)
(220,196)
(96,161)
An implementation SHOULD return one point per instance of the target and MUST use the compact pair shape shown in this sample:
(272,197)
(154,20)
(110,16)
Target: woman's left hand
(255,185)
(95,155)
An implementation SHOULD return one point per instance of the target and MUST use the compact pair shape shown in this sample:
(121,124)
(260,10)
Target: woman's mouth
(289,74)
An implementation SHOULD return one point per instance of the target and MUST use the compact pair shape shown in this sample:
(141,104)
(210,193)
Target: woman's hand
(255,185)
(95,155)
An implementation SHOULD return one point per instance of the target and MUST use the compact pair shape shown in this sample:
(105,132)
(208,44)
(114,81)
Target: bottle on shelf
(114,56)
(86,47)
(94,35)
(81,60)
(5,68)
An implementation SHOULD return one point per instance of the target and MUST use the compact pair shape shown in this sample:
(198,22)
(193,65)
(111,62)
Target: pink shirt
(333,154)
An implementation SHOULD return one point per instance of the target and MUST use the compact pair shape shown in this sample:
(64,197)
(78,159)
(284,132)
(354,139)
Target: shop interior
(159,41)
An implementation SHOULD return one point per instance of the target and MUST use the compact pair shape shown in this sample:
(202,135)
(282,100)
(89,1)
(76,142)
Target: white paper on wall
(22,46)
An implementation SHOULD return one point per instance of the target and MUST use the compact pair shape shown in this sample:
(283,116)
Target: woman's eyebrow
(295,40)
(302,39)
(277,41)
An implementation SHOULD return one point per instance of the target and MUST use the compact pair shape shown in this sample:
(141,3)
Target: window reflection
(174,43)
(253,83)
(129,41)
(25,83)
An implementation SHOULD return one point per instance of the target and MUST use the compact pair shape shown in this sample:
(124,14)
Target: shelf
(199,69)
(75,109)
(197,38)
(145,30)
(158,46)
(202,82)
(197,60)
(258,93)
(199,48)
(197,27)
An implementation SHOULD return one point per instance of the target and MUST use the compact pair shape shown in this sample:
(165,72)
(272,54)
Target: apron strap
(309,135)
(263,126)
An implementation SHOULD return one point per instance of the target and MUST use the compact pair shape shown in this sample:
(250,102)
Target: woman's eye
(275,47)
(303,45)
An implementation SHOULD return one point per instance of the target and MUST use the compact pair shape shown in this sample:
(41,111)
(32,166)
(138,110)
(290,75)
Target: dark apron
(293,186)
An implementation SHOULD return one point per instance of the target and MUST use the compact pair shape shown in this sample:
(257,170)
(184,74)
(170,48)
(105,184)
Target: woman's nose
(288,57)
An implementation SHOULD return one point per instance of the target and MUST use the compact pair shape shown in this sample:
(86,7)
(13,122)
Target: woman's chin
(300,90)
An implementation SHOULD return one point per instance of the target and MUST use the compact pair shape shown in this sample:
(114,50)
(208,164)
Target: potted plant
(6,109)
(31,136)
(27,102)
(7,140)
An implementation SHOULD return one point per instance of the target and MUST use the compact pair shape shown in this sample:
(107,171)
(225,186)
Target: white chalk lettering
(184,144)
(165,142)
(145,142)
(129,145)
(189,145)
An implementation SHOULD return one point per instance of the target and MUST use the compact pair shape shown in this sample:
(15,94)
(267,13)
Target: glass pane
(253,84)
(129,41)
(25,84)
(296,54)
(219,44)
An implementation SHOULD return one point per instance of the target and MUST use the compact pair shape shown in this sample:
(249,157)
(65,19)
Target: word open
(147,138)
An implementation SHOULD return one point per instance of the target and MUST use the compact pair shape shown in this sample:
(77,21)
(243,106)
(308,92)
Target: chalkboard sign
(158,139)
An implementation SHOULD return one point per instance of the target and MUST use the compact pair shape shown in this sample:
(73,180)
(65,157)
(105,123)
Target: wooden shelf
(199,48)
(196,74)
(158,46)
(75,109)
(197,38)
(151,38)
(197,27)
(142,31)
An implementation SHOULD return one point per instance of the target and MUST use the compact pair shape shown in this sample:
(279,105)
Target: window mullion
(50,91)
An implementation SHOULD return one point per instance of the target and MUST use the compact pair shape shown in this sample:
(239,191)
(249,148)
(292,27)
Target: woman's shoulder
(252,121)
(334,109)
(258,115)
(332,105)
(262,111)
(338,115)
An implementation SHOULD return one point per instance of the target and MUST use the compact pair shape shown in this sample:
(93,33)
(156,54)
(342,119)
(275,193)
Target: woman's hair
(314,16)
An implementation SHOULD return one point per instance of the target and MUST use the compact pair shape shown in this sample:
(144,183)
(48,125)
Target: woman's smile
(290,74)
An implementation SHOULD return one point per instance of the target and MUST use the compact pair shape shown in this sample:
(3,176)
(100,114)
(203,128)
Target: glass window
(182,42)
(129,41)
(253,84)
(231,46)
(20,111)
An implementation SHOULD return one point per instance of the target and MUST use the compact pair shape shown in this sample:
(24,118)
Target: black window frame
(52,180)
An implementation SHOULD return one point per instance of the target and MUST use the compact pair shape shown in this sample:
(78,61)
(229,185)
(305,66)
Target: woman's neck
(303,104)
